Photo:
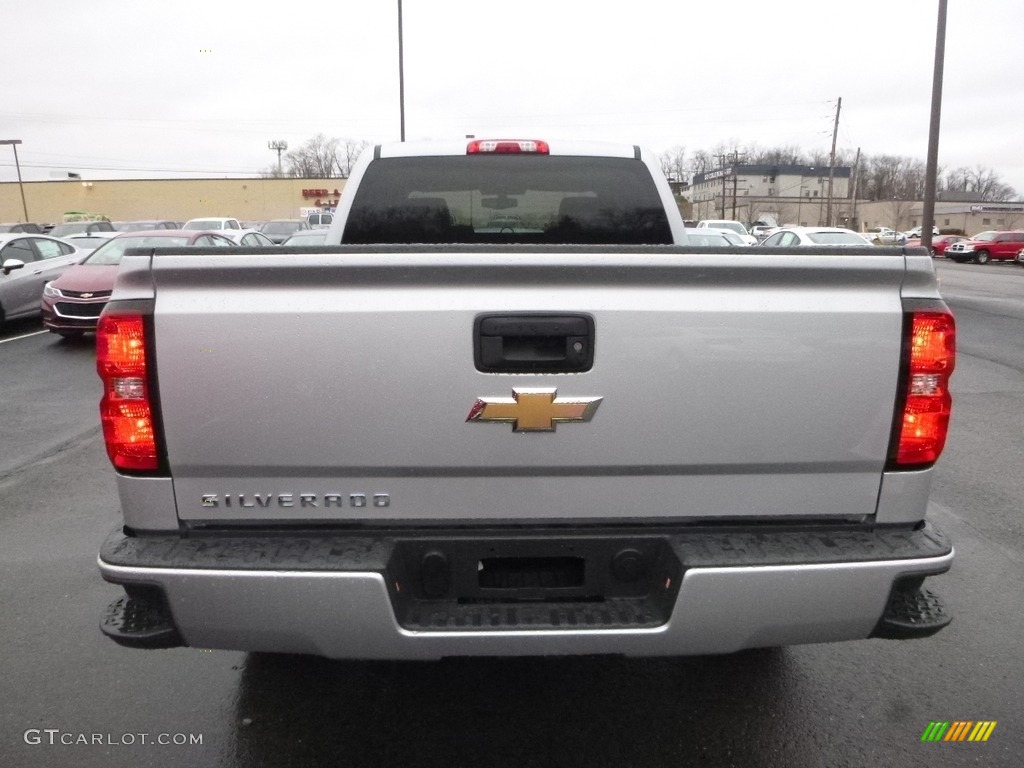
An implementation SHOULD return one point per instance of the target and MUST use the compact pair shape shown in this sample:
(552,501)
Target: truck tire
(981,257)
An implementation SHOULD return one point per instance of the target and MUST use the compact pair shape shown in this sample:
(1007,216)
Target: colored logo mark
(958,730)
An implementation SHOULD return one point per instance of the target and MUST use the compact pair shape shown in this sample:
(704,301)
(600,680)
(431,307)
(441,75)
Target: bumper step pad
(622,614)
(912,613)
(140,622)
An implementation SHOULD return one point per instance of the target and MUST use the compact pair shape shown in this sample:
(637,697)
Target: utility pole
(14,145)
(278,146)
(721,163)
(856,181)
(931,166)
(832,163)
(735,179)
(726,171)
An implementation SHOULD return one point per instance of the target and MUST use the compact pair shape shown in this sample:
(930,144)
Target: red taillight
(125,410)
(507,147)
(927,402)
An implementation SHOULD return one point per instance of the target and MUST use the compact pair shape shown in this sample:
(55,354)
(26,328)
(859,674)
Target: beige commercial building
(798,194)
(970,217)
(252,199)
(771,193)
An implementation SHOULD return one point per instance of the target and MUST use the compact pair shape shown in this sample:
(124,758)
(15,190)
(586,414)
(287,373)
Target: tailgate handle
(533,343)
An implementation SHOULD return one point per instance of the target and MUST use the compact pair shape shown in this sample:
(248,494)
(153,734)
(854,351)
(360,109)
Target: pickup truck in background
(987,246)
(509,410)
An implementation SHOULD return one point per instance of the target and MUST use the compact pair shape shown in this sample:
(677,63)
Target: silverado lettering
(213,500)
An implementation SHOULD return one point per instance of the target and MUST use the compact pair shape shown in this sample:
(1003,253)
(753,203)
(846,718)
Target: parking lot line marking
(27,335)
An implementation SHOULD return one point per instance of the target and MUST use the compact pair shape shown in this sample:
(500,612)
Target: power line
(131,170)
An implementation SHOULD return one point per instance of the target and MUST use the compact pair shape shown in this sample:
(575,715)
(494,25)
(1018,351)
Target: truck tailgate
(335,385)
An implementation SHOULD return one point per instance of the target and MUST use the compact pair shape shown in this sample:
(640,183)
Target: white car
(916,232)
(729,224)
(884,236)
(730,235)
(212,222)
(797,236)
(706,237)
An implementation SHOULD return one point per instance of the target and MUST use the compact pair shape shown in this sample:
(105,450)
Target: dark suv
(984,246)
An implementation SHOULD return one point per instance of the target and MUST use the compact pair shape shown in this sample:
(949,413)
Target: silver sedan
(27,263)
(788,237)
(248,237)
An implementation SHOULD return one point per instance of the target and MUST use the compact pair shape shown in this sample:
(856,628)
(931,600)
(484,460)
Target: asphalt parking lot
(70,697)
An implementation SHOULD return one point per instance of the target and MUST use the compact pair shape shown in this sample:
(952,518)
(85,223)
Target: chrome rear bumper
(731,596)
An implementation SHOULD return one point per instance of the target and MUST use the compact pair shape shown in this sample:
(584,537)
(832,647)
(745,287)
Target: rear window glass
(705,239)
(307,237)
(733,226)
(111,253)
(507,199)
(836,238)
(68,229)
(281,227)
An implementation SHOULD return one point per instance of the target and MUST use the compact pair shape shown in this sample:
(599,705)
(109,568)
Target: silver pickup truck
(510,411)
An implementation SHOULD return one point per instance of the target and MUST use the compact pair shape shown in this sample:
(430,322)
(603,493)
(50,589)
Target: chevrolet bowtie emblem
(534,410)
(86,295)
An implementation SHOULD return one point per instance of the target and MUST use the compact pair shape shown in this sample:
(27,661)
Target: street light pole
(401,74)
(932,164)
(14,145)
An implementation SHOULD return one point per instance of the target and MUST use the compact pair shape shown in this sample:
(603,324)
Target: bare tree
(845,157)
(980,179)
(957,179)
(880,177)
(674,165)
(316,159)
(910,181)
(273,172)
(785,213)
(785,155)
(987,182)
(348,154)
(727,150)
(819,158)
(702,162)
(899,213)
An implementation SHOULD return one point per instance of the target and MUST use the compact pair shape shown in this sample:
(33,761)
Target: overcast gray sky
(118,89)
